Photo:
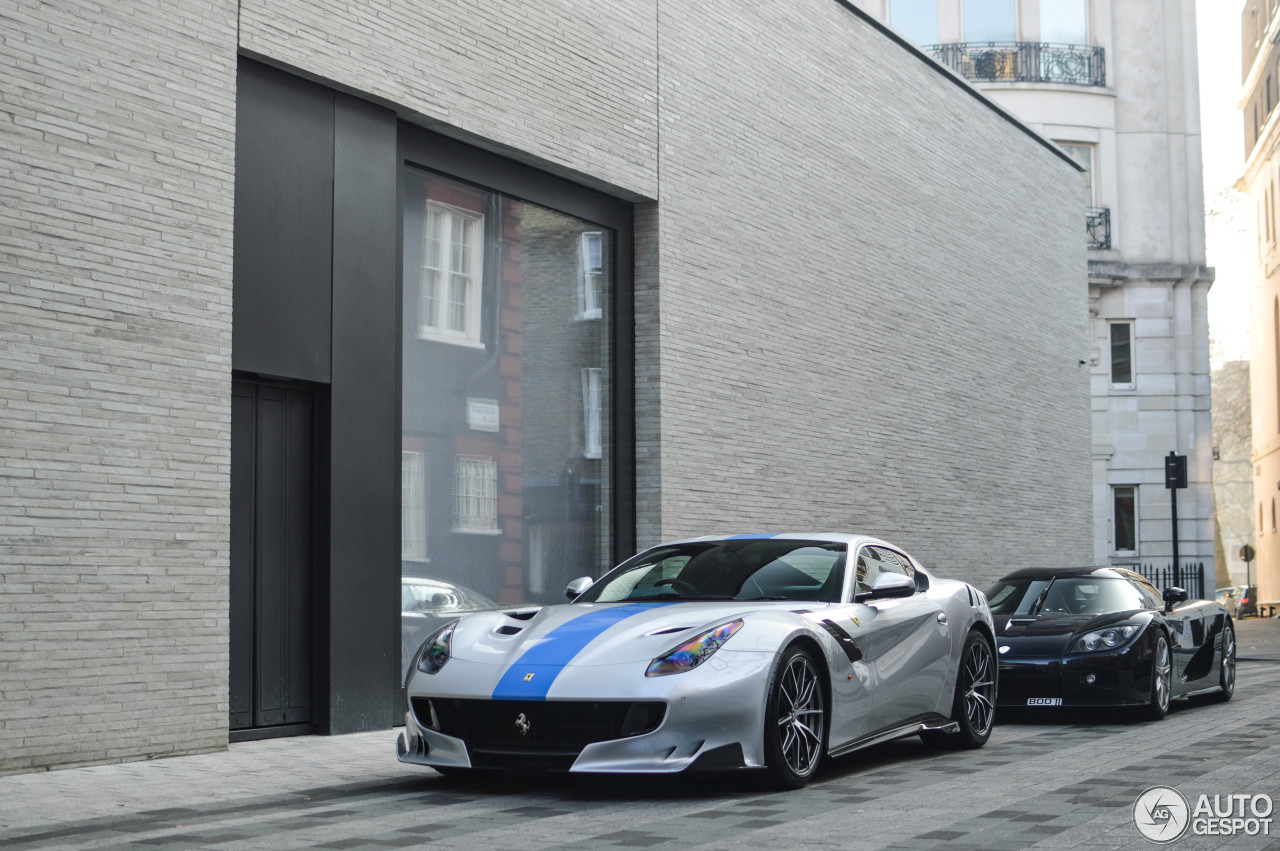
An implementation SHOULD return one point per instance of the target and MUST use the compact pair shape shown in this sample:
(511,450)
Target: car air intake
(543,726)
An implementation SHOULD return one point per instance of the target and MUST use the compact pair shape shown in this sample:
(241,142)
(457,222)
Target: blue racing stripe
(531,676)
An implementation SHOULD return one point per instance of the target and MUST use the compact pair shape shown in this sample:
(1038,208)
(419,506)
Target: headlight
(1104,639)
(692,653)
(436,649)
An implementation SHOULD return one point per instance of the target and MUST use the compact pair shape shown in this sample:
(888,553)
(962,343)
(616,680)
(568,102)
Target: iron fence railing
(1191,579)
(1024,62)
(1098,227)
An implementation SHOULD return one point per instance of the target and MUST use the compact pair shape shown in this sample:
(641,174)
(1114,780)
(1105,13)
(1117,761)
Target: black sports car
(1104,636)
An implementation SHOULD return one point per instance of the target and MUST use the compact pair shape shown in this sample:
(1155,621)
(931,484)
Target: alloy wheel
(1228,676)
(979,687)
(1162,671)
(801,718)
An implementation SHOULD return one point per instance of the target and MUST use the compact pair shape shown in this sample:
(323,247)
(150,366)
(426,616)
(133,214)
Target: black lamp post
(1175,478)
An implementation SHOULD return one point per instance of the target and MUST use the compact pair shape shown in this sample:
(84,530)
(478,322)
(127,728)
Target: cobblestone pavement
(1042,781)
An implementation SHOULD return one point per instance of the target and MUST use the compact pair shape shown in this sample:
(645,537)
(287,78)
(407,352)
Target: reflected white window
(475,495)
(1064,21)
(990,20)
(590,275)
(1083,155)
(452,269)
(413,507)
(916,19)
(591,412)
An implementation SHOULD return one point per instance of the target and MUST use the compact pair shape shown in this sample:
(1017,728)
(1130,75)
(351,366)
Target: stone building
(301,297)
(1114,83)
(1260,25)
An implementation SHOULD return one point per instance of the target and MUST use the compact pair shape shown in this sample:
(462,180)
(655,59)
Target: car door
(908,643)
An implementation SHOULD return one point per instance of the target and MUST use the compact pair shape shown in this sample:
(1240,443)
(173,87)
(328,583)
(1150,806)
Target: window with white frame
(452,275)
(1083,155)
(1121,345)
(413,506)
(591,412)
(475,495)
(916,19)
(1124,501)
(990,20)
(1064,21)
(591,275)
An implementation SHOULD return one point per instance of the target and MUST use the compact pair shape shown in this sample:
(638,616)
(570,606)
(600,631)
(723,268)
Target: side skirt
(931,724)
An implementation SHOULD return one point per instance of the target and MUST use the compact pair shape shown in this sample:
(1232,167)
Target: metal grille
(544,726)
(1098,227)
(1191,579)
(1024,62)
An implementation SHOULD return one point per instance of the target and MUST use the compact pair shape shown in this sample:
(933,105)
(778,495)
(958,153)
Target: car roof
(1059,572)
(825,537)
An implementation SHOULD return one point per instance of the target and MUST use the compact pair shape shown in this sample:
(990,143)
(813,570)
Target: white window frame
(413,506)
(1133,359)
(1137,528)
(591,276)
(440,275)
(475,495)
(591,413)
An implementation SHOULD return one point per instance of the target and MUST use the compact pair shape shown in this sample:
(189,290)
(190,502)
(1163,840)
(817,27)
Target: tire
(1161,679)
(974,704)
(1227,666)
(795,721)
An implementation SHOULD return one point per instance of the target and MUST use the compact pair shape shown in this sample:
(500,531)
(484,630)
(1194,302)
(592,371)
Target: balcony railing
(1024,62)
(1098,224)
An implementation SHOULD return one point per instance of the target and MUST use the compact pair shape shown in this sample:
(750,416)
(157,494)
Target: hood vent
(522,616)
(508,630)
(670,630)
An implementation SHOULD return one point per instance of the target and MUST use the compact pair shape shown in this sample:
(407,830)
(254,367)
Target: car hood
(593,633)
(1048,634)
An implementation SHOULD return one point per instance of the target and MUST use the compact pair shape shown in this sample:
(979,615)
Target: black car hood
(1048,635)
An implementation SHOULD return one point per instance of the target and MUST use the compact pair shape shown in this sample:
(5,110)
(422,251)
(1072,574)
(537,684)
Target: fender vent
(508,630)
(522,616)
(670,630)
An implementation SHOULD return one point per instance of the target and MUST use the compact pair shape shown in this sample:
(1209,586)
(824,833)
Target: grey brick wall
(115,361)
(871,312)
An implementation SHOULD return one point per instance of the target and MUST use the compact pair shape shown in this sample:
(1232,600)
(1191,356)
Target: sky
(1222,139)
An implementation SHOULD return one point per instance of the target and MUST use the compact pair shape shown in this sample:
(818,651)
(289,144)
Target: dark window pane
(1121,353)
(1126,520)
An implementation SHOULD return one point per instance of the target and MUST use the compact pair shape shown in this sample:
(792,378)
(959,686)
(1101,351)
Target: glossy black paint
(1038,659)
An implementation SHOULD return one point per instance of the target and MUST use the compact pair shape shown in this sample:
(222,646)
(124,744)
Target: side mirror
(888,586)
(1174,596)
(578,586)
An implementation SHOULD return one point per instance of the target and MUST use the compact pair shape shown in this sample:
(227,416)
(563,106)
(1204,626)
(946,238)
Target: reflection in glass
(1064,22)
(990,20)
(506,438)
(916,19)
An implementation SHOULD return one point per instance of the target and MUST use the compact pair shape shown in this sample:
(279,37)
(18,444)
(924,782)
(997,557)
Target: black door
(272,556)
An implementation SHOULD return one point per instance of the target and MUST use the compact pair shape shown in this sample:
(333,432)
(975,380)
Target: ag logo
(523,725)
(1161,814)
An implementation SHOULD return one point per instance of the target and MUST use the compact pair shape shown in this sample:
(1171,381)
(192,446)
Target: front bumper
(713,719)
(1120,678)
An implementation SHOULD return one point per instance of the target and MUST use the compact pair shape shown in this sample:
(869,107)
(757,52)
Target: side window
(896,563)
(1151,598)
(873,561)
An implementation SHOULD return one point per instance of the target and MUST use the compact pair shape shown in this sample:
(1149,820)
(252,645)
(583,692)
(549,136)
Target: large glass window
(506,433)
(990,20)
(916,19)
(1064,21)
(1125,516)
(1121,354)
(1083,155)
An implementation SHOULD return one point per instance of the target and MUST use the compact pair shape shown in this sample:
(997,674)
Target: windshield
(728,570)
(1068,595)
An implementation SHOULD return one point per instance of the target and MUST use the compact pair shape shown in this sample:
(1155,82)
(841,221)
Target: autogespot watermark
(1163,814)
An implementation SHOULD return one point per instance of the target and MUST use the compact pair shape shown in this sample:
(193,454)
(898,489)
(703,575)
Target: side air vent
(508,629)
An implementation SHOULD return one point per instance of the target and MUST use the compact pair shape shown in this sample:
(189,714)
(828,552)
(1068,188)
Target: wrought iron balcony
(1098,223)
(1024,62)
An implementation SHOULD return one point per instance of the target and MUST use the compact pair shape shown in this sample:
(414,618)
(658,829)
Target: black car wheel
(1227,668)
(974,705)
(1161,678)
(795,722)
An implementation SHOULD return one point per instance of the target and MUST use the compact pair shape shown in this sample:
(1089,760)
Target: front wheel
(974,705)
(1161,679)
(795,722)
(1227,668)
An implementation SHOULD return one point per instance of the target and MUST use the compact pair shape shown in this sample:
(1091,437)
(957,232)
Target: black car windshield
(750,569)
(1068,595)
